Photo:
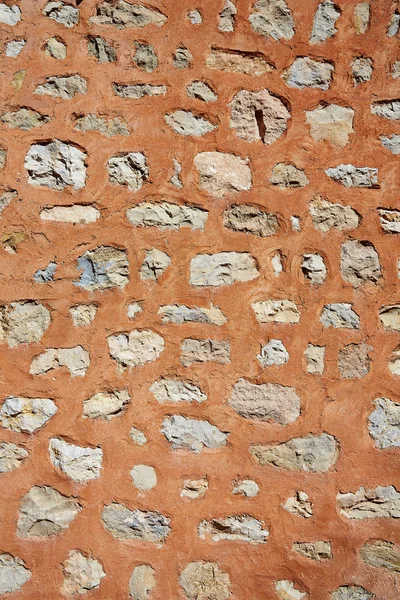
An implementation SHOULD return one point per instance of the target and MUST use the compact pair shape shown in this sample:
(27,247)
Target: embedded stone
(195,17)
(129,169)
(200,90)
(186,123)
(308,73)
(354,177)
(62,13)
(328,215)
(180,314)
(384,423)
(103,268)
(382,502)
(242,528)
(78,213)
(141,582)
(56,165)
(176,390)
(81,464)
(136,348)
(389,316)
(332,123)
(194,489)
(65,88)
(361,17)
(325,18)
(361,70)
(354,361)
(352,592)
(205,350)
(106,405)
(224,268)
(14,48)
(9,15)
(3,157)
(83,314)
(394,24)
(75,359)
(144,477)
(389,220)
(312,453)
(285,175)
(143,525)
(192,434)
(273,353)
(265,402)
(258,116)
(394,361)
(26,414)
(13,572)
(236,61)
(299,505)
(286,590)
(318,550)
(250,219)
(23,322)
(124,15)
(182,58)
(47,274)
(276,311)
(107,127)
(11,457)
(359,263)
(272,18)
(388,109)
(314,269)
(101,49)
(176,177)
(166,215)
(134,309)
(339,315)
(227,17)
(6,198)
(314,358)
(221,173)
(137,436)
(145,57)
(44,512)
(381,554)
(203,580)
(154,265)
(56,48)
(82,573)
(246,487)
(24,119)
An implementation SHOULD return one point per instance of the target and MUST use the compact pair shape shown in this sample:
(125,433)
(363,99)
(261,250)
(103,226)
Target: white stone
(354,177)
(44,512)
(11,456)
(155,264)
(286,590)
(192,434)
(246,487)
(166,215)
(128,169)
(180,314)
(176,390)
(243,528)
(13,574)
(136,348)
(23,322)
(26,414)
(187,123)
(314,269)
(272,19)
(10,15)
(56,165)
(106,405)
(221,173)
(76,360)
(273,353)
(324,22)
(332,123)
(224,268)
(83,314)
(81,464)
(81,574)
(141,582)
(339,315)
(14,48)
(314,358)
(79,213)
(144,477)
(276,311)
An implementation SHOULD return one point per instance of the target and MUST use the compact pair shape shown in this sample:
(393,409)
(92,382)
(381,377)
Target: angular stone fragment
(82,573)
(186,123)
(265,402)
(352,592)
(204,351)
(277,263)
(308,73)
(314,269)
(286,590)
(384,423)
(359,263)
(47,274)
(246,487)
(9,15)
(314,358)
(107,127)
(134,309)
(62,13)
(354,361)
(65,87)
(395,70)
(389,316)
(299,505)
(11,456)
(6,198)
(221,173)
(24,119)
(194,489)
(236,61)
(312,453)
(381,554)
(81,464)
(361,17)
(388,109)
(23,322)
(180,314)
(204,580)
(44,512)
(14,48)
(176,390)
(389,220)
(176,177)
(78,213)
(394,24)
(241,528)
(136,348)
(195,17)
(56,165)
(273,353)
(351,176)
(129,169)
(154,265)
(227,17)
(123,15)
(26,414)
(276,311)
(56,48)
(182,58)
(106,405)
(272,18)
(145,57)
(166,215)
(339,315)
(325,18)
(318,550)
(83,314)
(144,477)
(332,123)
(224,268)
(258,116)
(138,90)
(141,582)
(327,215)
(75,359)
(285,175)
(125,524)
(3,157)
(250,219)
(361,70)
(103,268)
(370,504)
(201,91)
(101,49)
(13,573)
(137,436)
(191,434)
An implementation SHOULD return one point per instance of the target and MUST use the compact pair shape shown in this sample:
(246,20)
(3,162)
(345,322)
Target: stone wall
(200,315)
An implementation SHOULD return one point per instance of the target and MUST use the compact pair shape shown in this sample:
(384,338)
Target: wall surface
(200,316)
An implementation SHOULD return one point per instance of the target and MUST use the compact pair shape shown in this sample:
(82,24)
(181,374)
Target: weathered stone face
(136,348)
(247,63)
(187,123)
(389,220)
(354,177)
(145,57)
(206,350)
(13,572)
(106,405)
(146,526)
(387,109)
(340,315)
(154,265)
(240,528)
(276,311)
(332,123)
(221,173)
(183,314)
(81,574)
(62,13)
(56,48)
(65,88)
(44,512)
(10,15)
(314,269)
(273,353)
(107,127)
(286,590)
(327,215)
(351,592)
(76,360)
(383,502)
(381,554)
(308,73)
(250,219)
(24,119)
(23,323)
(83,314)
(11,456)
(139,90)
(299,505)
(202,580)
(354,361)
(288,176)
(141,582)
(325,18)
(194,489)
(265,402)
(126,15)
(176,390)
(227,17)
(318,550)
(78,463)
(129,169)
(101,49)
(361,70)
(272,18)
(360,263)
(103,268)
(26,414)
(314,359)
(384,423)
(56,165)
(192,434)
(361,17)
(201,90)
(166,215)
(247,488)
(224,268)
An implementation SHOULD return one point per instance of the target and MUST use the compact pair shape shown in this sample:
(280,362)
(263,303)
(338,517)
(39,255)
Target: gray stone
(314,358)
(125,524)
(384,423)
(221,173)
(276,311)
(325,18)
(101,49)
(387,109)
(273,353)
(66,87)
(23,322)
(238,61)
(141,582)
(359,263)
(191,434)
(382,502)
(227,17)
(167,215)
(389,220)
(180,314)
(186,123)
(11,456)
(107,127)
(339,315)
(81,464)
(136,91)
(319,550)
(83,314)
(195,17)
(361,70)
(106,405)
(77,213)
(44,512)
(327,215)
(76,360)
(154,265)
(250,219)
(361,17)
(47,274)
(205,350)
(354,361)
(145,57)
(176,390)
(224,268)
(395,70)
(308,73)
(391,143)
(285,175)
(286,590)
(136,348)
(9,15)
(394,361)
(354,177)
(3,157)
(389,316)
(182,58)
(56,165)
(82,573)
(176,177)
(26,414)
(332,123)
(14,48)
(241,528)
(124,15)
(194,489)
(246,487)
(201,90)
(314,269)
(128,169)
(381,554)
(352,592)
(272,18)
(137,436)
(103,268)
(6,198)
(299,505)
(312,453)
(204,581)
(265,402)
(62,13)
(13,572)
(134,309)
(56,48)
(394,24)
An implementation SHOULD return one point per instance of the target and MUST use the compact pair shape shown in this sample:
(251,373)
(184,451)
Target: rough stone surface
(201,90)
(286,590)
(354,177)
(221,173)
(155,264)
(299,505)
(273,353)
(265,402)
(354,361)
(146,526)
(221,269)
(141,582)
(11,456)
(318,550)
(387,109)
(81,574)
(276,311)
(389,220)
(327,215)
(306,72)
(206,350)
(242,528)
(106,405)
(246,487)
(23,323)
(194,489)
(62,13)
(250,219)
(24,119)
(144,477)
(139,90)
(361,70)
(56,165)
(123,15)
(389,316)
(361,17)
(103,268)
(203,580)
(56,48)
(83,314)
(352,592)
(176,390)
(13,572)
(180,314)
(227,17)
(325,18)
(129,169)
(166,215)
(145,57)
(192,434)
(339,315)
(182,58)
(187,123)
(381,554)
(332,123)
(272,19)
(65,88)
(370,504)
(10,15)
(107,127)
(360,263)
(44,512)
(26,414)
(314,359)
(384,423)
(101,49)
(76,360)
(78,213)
(136,348)
(288,176)
(78,463)
(247,63)
(314,269)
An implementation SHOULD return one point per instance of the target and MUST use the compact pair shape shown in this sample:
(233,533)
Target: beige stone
(276,311)
(141,582)
(81,573)
(236,61)
(220,173)
(332,123)
(203,580)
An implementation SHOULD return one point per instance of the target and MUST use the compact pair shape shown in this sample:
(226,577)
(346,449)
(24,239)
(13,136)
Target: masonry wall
(199,320)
